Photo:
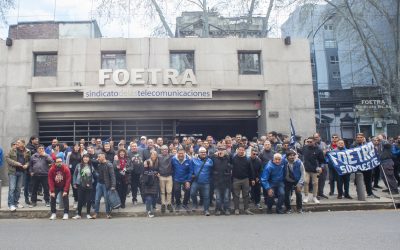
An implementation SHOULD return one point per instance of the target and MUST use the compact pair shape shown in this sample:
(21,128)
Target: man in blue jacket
(182,176)
(201,167)
(272,181)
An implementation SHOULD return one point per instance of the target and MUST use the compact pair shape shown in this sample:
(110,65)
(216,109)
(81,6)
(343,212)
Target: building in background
(341,76)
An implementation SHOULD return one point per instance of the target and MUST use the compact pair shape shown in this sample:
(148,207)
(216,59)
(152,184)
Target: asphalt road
(328,230)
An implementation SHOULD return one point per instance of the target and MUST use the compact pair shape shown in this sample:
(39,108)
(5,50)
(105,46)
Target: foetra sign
(123,77)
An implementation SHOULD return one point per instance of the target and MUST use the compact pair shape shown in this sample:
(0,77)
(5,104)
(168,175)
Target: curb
(44,214)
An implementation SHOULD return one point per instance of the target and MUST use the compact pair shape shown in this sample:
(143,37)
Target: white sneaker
(150,214)
(12,208)
(315,200)
(65,217)
(76,217)
(53,217)
(305,200)
(20,206)
(75,206)
(89,217)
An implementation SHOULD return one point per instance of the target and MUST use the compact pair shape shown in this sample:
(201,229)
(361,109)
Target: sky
(80,10)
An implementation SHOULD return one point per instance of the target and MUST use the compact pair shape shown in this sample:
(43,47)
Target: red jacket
(59,178)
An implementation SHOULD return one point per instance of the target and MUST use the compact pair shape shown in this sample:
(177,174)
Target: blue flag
(352,160)
(292,135)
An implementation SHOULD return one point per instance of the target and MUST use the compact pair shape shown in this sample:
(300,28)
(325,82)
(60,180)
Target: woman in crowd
(122,168)
(83,179)
(149,181)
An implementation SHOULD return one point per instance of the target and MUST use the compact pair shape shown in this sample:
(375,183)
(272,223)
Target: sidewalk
(331,204)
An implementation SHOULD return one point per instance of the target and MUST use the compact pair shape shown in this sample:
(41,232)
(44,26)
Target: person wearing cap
(242,174)
(294,180)
(143,142)
(59,179)
(272,180)
(201,168)
(39,170)
(165,178)
(222,174)
(256,164)
(17,160)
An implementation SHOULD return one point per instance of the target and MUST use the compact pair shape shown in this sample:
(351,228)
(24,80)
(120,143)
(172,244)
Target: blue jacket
(205,176)
(182,171)
(273,174)
(296,173)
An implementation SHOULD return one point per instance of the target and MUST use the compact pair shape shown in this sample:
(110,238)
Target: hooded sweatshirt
(59,177)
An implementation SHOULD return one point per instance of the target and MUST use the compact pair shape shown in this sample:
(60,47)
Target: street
(326,230)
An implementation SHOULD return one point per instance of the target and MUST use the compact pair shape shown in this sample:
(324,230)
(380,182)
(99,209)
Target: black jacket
(222,171)
(257,166)
(241,168)
(313,158)
(106,174)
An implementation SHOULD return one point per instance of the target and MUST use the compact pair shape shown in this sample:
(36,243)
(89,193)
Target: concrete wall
(285,82)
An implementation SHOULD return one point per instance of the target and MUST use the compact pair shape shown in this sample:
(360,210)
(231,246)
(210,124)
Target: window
(328,27)
(181,60)
(336,76)
(330,44)
(113,60)
(249,63)
(45,64)
(334,59)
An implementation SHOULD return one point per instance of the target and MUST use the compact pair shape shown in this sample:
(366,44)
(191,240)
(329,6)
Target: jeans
(279,191)
(74,190)
(289,187)
(237,186)
(101,191)
(256,193)
(150,199)
(53,201)
(333,176)
(165,189)
(204,189)
(343,181)
(27,183)
(14,190)
(84,195)
(36,181)
(178,186)
(322,179)
(222,198)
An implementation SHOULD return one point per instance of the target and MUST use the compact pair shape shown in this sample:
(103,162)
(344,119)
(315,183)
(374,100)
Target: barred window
(249,63)
(45,64)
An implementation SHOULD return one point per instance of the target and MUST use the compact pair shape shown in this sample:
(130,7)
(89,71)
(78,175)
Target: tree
(5,6)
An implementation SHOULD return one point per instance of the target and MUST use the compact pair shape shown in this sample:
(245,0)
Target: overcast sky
(78,10)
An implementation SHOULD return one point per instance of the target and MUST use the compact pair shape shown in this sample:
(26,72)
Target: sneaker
(89,217)
(186,207)
(53,216)
(305,200)
(331,194)
(194,208)
(47,204)
(377,186)
(373,196)
(150,214)
(66,217)
(162,208)
(227,213)
(237,212)
(20,206)
(259,206)
(12,208)
(76,217)
(170,209)
(248,212)
(207,213)
(348,197)
(289,211)
(75,206)
(33,204)
(300,211)
(280,211)
(339,197)
(27,202)
(315,200)
(122,206)
(178,208)
(218,213)
(94,216)
(109,216)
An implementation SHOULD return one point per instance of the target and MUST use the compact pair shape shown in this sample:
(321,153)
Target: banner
(349,161)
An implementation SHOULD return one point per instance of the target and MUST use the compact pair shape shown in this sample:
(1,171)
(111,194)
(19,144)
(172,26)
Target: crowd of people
(206,172)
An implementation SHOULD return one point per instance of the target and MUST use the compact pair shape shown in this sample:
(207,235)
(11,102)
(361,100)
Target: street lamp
(315,63)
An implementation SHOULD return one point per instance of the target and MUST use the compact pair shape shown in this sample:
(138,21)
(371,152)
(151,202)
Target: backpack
(86,177)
